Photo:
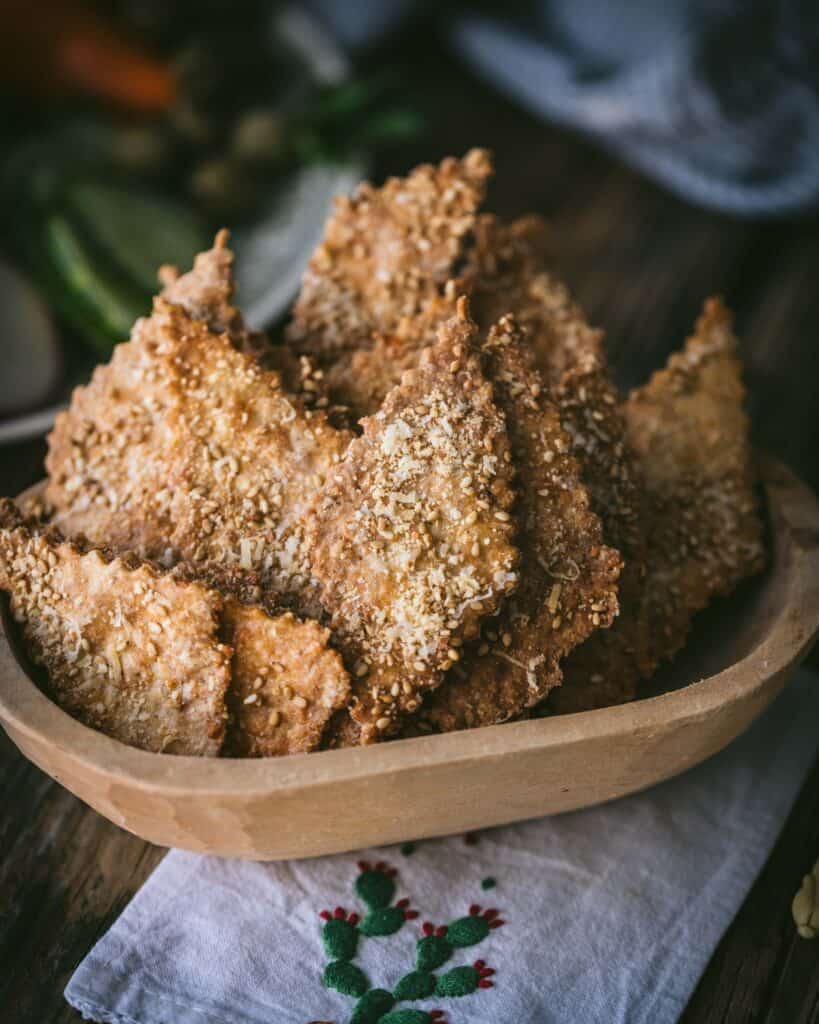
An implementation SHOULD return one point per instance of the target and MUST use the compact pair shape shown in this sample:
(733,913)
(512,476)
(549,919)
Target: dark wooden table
(641,262)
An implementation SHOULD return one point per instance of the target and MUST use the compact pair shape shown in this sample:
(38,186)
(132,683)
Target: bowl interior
(726,632)
(738,658)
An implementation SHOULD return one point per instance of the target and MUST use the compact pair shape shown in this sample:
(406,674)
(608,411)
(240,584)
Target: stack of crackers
(425,508)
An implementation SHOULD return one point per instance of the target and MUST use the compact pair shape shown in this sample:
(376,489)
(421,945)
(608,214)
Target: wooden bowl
(739,658)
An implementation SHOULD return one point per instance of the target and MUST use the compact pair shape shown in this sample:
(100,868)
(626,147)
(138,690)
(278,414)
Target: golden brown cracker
(691,435)
(568,577)
(387,254)
(605,669)
(206,293)
(505,274)
(412,536)
(286,682)
(128,651)
(184,448)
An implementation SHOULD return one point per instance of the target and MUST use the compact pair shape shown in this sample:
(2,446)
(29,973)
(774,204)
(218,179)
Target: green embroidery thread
(406,1017)
(432,951)
(372,1006)
(346,978)
(460,981)
(415,985)
(376,886)
(341,934)
(467,931)
(340,937)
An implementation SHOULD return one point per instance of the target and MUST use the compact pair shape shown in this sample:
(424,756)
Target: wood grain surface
(641,262)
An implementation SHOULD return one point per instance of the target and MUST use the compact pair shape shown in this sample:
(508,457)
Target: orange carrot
(56,47)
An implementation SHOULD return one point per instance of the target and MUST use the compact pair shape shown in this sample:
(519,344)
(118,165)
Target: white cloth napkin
(609,915)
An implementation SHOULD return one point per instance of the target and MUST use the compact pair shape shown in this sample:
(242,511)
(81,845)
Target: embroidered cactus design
(372,1006)
(345,977)
(375,886)
(341,933)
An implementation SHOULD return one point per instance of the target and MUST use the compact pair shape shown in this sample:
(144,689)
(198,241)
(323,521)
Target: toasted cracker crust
(412,535)
(605,669)
(502,274)
(286,682)
(505,274)
(568,577)
(201,445)
(499,265)
(359,379)
(183,448)
(129,651)
(691,435)
(206,293)
(386,255)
